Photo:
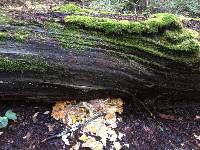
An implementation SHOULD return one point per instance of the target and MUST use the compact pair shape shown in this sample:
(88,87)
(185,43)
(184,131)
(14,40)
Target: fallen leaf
(109,116)
(60,110)
(83,138)
(11,115)
(93,144)
(75,114)
(117,145)
(3,122)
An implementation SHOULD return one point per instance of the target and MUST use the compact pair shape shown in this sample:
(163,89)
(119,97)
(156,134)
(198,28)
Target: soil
(170,128)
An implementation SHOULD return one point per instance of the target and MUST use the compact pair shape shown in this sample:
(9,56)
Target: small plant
(8,115)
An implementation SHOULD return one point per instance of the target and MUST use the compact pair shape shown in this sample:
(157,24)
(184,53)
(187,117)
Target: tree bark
(46,70)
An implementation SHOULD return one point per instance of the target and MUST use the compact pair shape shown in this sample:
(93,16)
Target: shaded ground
(178,130)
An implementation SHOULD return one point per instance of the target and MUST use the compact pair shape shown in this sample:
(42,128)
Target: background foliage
(181,7)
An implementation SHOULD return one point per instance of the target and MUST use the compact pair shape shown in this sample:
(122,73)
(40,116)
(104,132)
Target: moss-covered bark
(86,53)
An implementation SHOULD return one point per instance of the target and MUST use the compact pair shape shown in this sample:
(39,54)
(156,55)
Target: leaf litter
(95,120)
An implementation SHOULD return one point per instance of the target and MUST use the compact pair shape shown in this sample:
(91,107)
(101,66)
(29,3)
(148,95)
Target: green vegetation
(155,24)
(181,7)
(25,63)
(70,8)
(53,27)
(4,18)
(21,35)
(160,30)
(181,51)
(181,35)
(161,35)
(3,36)
(9,115)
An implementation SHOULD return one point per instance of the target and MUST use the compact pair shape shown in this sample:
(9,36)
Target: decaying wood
(92,73)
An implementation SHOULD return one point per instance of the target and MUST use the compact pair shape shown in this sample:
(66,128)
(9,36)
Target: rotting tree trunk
(76,60)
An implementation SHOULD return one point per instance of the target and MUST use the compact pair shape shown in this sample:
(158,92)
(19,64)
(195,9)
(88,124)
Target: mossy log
(87,56)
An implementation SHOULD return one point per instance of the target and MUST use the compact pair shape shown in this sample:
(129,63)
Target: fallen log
(88,56)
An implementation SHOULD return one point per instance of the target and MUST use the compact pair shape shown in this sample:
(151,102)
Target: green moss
(161,35)
(186,51)
(53,27)
(187,48)
(4,18)
(21,35)
(161,21)
(72,38)
(3,36)
(112,26)
(181,35)
(23,64)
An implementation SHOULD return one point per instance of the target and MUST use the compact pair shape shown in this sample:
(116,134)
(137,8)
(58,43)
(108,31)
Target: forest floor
(172,128)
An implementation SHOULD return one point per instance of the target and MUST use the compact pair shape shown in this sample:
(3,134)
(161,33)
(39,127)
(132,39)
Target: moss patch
(152,46)
(181,35)
(4,18)
(26,63)
(155,24)
(53,27)
(162,35)
(21,35)
(3,36)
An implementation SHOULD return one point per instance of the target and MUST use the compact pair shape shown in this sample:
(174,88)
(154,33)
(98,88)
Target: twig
(151,114)
(72,129)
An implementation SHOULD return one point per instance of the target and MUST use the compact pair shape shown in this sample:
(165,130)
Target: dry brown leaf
(59,110)
(77,113)
(109,116)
